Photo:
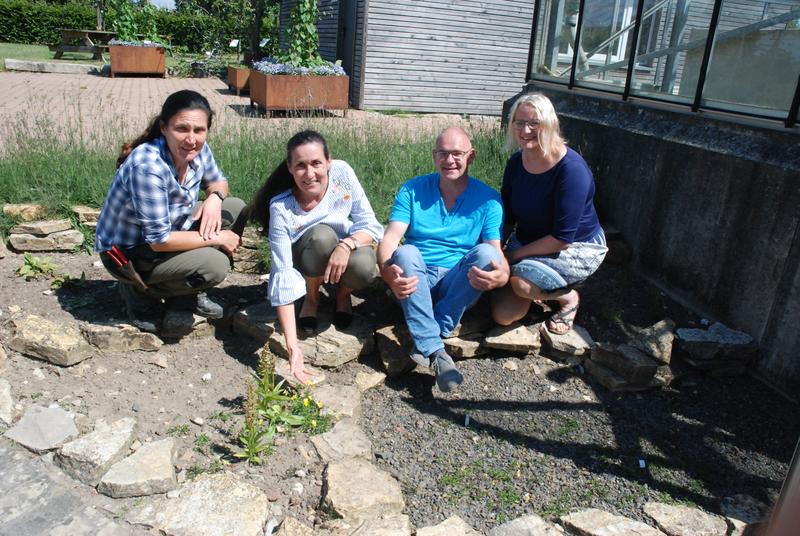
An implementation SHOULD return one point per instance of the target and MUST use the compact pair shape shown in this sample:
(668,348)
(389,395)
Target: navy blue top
(557,202)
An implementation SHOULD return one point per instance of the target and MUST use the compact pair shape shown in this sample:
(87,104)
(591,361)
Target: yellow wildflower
(305,402)
(319,405)
(313,423)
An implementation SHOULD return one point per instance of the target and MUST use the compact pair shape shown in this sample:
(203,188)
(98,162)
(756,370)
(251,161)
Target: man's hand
(488,279)
(210,216)
(228,241)
(402,287)
(337,264)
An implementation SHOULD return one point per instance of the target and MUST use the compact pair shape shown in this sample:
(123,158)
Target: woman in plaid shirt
(153,216)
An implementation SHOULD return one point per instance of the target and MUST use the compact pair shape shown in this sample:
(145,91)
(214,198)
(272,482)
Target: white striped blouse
(344,207)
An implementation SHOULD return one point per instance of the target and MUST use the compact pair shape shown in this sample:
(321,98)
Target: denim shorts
(558,270)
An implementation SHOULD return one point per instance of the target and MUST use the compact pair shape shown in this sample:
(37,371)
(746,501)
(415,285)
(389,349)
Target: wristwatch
(354,246)
(218,194)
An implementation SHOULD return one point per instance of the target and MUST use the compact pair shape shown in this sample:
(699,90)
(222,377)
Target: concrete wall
(711,210)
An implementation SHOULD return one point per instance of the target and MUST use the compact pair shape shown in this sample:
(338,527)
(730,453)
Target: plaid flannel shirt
(145,202)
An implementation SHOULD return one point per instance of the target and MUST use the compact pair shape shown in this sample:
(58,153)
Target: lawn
(19,51)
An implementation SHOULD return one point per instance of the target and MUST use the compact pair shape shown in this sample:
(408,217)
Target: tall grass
(60,164)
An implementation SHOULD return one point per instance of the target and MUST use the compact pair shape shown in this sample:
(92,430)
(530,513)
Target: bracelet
(345,245)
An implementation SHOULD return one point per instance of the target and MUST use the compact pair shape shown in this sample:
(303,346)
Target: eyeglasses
(457,155)
(533,125)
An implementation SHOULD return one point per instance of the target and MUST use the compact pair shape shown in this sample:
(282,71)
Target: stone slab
(147,471)
(42,429)
(3,249)
(283,370)
(390,525)
(576,341)
(452,526)
(394,347)
(629,362)
(345,440)
(354,488)
(473,323)
(529,525)
(369,380)
(60,344)
(610,379)
(90,456)
(292,527)
(41,228)
(212,505)
(679,520)
(594,522)
(36,499)
(6,403)
(86,214)
(178,324)
(60,241)
(514,338)
(465,347)
(717,342)
(256,321)
(24,211)
(330,347)
(50,67)
(339,401)
(120,338)
(656,340)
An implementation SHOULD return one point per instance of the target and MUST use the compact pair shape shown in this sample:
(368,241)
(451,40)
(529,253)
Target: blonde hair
(549,132)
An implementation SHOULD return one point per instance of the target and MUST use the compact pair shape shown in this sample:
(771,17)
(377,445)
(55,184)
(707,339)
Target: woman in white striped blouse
(321,229)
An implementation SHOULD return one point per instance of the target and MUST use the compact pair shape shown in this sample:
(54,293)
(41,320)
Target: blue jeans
(442,295)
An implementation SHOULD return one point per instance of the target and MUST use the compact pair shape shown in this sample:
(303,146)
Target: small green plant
(508,497)
(197,470)
(255,437)
(67,281)
(179,430)
(221,416)
(558,506)
(202,441)
(36,267)
(36,396)
(568,428)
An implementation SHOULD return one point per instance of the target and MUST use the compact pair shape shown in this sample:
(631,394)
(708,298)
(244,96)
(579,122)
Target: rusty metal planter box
(239,78)
(137,60)
(285,92)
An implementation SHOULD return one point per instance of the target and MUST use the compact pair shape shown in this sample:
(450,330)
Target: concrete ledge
(52,67)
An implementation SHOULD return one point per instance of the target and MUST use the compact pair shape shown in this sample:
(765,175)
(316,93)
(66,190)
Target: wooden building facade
(459,56)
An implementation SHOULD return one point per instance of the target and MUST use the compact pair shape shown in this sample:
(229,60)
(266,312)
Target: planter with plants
(130,54)
(238,77)
(300,79)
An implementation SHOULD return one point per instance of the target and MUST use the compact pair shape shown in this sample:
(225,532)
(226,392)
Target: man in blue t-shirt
(452,227)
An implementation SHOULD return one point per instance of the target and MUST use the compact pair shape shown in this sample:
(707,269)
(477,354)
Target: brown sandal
(564,317)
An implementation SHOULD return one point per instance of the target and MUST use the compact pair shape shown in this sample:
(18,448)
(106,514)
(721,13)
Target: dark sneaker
(200,304)
(447,375)
(143,311)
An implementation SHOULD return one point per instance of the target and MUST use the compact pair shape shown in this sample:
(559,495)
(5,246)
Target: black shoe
(143,311)
(342,320)
(447,375)
(308,324)
(200,304)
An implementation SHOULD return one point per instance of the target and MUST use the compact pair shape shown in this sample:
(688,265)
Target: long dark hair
(186,99)
(280,179)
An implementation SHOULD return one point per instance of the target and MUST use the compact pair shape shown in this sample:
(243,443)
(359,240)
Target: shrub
(22,21)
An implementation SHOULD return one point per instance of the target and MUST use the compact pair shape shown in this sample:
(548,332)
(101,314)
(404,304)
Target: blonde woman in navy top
(554,236)
(321,229)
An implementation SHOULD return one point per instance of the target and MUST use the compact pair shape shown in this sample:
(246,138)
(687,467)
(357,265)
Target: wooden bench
(94,42)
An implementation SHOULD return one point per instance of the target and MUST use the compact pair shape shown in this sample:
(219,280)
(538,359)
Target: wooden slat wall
(457,56)
(358,64)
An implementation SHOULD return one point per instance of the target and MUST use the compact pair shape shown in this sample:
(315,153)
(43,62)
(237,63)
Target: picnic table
(94,41)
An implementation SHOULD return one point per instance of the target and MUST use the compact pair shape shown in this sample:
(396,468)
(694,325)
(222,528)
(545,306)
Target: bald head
(453,136)
(453,154)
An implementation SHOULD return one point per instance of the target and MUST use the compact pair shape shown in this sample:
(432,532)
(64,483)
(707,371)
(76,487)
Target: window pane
(555,32)
(755,57)
(670,48)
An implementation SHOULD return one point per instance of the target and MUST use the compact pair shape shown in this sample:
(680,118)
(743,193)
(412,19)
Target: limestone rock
(282,369)
(6,403)
(610,379)
(576,341)
(354,488)
(718,343)
(339,401)
(594,522)
(211,505)
(743,511)
(89,457)
(178,324)
(147,471)
(466,346)
(514,338)
(656,341)
(394,346)
(390,525)
(331,348)
(369,380)
(24,211)
(345,440)
(60,344)
(679,520)
(473,323)
(627,361)
(86,214)
(42,429)
(120,338)
(452,526)
(60,241)
(3,249)
(41,228)
(249,258)
(3,359)
(292,527)
(256,321)
(529,525)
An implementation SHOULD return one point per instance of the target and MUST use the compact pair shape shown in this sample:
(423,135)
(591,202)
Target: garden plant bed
(238,78)
(137,60)
(287,92)
(542,437)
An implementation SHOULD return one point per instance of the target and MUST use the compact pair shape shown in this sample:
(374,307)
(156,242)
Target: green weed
(558,506)
(36,267)
(568,428)
(221,416)
(179,430)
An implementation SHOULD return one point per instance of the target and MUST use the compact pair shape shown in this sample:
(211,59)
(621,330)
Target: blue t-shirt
(558,202)
(443,237)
